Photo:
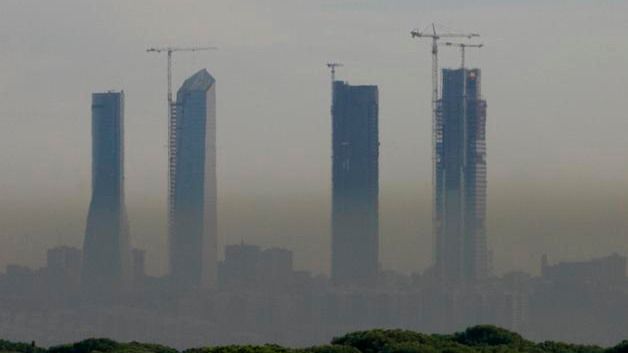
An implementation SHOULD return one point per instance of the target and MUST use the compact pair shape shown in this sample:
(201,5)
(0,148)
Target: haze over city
(557,172)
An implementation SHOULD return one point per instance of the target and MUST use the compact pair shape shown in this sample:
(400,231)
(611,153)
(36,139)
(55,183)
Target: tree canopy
(476,339)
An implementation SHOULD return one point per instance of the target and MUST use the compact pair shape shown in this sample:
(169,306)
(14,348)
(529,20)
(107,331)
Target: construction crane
(332,67)
(169,51)
(172,136)
(435,38)
(437,126)
(462,47)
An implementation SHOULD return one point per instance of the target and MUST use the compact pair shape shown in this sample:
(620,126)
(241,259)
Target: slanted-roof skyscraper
(460,179)
(106,252)
(193,233)
(355,169)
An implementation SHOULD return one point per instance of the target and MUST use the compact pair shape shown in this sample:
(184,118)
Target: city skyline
(263,216)
(256,294)
(539,216)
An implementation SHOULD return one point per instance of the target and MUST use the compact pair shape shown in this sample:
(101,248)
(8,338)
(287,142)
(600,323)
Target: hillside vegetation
(477,339)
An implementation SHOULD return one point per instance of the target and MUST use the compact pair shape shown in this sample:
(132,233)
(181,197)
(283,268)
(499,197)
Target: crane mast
(435,36)
(172,123)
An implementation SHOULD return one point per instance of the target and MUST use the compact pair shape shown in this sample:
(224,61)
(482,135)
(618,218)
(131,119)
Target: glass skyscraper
(106,252)
(355,188)
(460,179)
(193,232)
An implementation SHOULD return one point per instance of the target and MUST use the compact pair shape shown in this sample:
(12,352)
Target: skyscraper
(355,179)
(193,232)
(106,252)
(460,179)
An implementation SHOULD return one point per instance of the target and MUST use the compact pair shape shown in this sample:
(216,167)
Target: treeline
(477,339)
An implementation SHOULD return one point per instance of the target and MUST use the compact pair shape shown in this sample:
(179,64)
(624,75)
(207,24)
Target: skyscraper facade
(460,179)
(193,232)
(355,184)
(106,252)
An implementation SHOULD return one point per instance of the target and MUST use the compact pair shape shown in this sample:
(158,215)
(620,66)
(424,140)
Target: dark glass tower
(460,179)
(106,252)
(355,222)
(193,234)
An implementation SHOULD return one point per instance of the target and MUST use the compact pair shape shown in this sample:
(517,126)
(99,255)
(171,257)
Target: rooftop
(200,81)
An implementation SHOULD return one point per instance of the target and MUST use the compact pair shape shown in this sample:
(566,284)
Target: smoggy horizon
(557,177)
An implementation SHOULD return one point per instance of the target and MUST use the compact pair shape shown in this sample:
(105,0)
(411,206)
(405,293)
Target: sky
(554,78)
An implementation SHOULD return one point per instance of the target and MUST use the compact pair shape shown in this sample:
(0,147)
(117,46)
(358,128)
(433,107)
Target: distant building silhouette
(241,265)
(460,179)
(355,148)
(193,233)
(249,266)
(106,252)
(63,265)
(64,259)
(605,271)
(138,257)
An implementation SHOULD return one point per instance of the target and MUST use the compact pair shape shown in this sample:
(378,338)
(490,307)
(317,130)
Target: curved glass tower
(193,233)
(106,252)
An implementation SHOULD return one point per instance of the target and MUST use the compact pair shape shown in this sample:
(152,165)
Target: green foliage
(105,345)
(332,348)
(410,347)
(268,348)
(6,346)
(135,347)
(559,347)
(488,335)
(622,347)
(477,339)
(87,346)
(376,341)
(401,341)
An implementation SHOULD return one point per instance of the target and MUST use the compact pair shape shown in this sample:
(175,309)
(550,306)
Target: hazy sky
(554,77)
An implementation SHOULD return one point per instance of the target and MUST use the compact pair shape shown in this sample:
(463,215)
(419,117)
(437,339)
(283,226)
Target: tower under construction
(460,178)
(193,230)
(202,83)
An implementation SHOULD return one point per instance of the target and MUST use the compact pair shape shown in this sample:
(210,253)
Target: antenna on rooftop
(332,66)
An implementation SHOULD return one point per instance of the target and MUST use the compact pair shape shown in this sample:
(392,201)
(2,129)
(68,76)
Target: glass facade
(106,251)
(355,184)
(460,178)
(194,225)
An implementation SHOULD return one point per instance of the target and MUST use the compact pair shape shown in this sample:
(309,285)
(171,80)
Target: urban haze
(269,224)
